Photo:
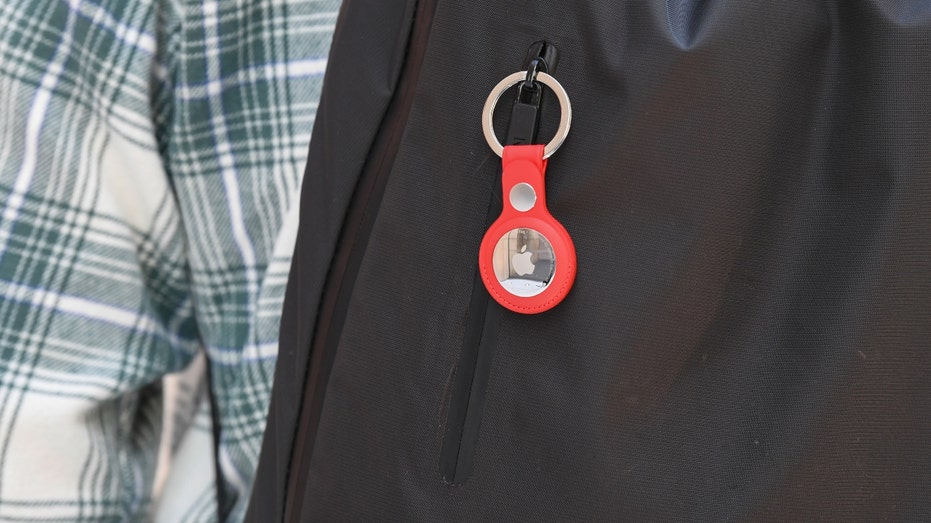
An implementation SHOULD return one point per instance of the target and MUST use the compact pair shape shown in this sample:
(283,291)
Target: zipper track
(467,399)
(351,248)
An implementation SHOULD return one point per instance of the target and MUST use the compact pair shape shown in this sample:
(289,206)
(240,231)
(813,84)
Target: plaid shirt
(151,154)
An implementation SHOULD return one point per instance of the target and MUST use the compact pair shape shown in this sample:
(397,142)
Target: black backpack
(747,186)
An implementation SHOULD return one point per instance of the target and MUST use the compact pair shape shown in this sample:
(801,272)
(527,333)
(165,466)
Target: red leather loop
(525,164)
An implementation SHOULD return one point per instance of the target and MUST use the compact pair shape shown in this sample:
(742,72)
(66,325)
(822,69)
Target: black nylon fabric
(748,186)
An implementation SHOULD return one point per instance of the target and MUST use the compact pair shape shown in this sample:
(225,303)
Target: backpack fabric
(748,187)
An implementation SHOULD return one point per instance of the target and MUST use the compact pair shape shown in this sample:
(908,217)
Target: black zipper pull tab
(525,113)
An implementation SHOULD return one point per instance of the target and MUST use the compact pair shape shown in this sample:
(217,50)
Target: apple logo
(522,263)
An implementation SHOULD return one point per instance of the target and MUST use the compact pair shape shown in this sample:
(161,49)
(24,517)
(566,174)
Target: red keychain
(527,258)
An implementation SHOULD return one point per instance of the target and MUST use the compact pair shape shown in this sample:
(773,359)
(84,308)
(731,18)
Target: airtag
(524,262)
(527,259)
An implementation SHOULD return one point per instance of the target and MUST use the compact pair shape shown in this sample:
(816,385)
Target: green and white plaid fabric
(151,153)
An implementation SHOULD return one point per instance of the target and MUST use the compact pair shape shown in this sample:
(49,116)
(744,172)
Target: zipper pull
(542,57)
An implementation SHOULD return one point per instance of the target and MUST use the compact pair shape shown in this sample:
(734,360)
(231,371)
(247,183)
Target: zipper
(360,219)
(467,397)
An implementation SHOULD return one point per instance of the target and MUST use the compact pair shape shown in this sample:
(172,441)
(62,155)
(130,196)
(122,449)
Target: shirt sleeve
(151,155)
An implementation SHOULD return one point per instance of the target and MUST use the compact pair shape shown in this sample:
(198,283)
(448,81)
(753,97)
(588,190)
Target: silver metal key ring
(565,111)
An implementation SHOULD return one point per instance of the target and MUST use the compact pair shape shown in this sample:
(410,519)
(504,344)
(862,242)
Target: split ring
(565,111)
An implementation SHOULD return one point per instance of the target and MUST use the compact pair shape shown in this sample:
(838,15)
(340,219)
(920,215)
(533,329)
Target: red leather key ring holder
(527,259)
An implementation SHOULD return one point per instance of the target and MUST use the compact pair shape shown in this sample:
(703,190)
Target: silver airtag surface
(524,262)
